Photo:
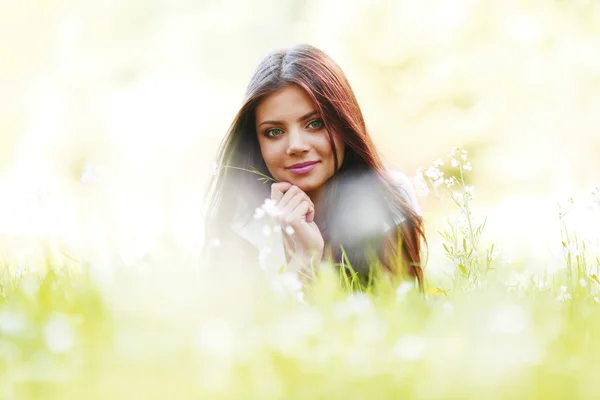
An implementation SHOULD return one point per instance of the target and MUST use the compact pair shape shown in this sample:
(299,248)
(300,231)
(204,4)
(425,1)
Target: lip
(302,164)
(303,167)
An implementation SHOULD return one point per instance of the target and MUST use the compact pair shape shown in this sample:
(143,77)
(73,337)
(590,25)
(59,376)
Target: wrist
(307,256)
(307,262)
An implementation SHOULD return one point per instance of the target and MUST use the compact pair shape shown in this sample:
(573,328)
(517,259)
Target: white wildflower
(571,248)
(370,329)
(438,163)
(216,338)
(12,323)
(419,175)
(289,332)
(92,173)
(508,320)
(564,294)
(583,282)
(355,304)
(454,162)
(263,255)
(403,290)
(517,279)
(543,284)
(468,166)
(461,221)
(448,307)
(266,230)
(288,285)
(495,254)
(29,286)
(594,288)
(87,176)
(21,272)
(434,173)
(449,182)
(420,183)
(259,213)
(58,334)
(410,348)
(565,209)
(457,196)
(289,230)
(564,297)
(456,153)
(270,207)
(300,297)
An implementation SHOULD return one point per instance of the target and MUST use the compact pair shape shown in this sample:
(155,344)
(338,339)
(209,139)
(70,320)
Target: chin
(307,185)
(307,188)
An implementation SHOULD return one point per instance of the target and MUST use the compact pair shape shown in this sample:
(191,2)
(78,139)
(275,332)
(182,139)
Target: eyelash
(267,133)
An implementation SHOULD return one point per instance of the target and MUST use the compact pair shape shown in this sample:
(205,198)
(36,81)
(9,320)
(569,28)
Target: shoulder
(406,188)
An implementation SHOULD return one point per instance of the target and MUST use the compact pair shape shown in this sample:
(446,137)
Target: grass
(180,331)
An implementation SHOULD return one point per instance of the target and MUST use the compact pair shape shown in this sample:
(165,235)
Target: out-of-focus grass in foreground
(489,329)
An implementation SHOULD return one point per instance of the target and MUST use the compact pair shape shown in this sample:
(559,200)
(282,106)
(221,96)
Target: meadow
(110,117)
(487,327)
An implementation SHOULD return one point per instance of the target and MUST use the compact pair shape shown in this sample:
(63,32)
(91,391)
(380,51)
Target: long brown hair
(316,73)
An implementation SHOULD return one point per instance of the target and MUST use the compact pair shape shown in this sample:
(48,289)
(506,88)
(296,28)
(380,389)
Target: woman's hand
(296,210)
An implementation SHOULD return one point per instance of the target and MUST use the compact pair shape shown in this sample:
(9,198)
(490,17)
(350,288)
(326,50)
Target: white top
(266,236)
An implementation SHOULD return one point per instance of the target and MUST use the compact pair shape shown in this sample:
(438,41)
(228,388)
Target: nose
(297,143)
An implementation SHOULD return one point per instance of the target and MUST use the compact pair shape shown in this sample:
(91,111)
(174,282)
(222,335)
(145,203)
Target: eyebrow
(302,118)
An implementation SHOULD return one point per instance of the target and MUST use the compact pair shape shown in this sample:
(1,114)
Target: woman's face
(293,140)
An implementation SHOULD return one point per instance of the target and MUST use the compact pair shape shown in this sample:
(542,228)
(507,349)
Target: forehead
(288,103)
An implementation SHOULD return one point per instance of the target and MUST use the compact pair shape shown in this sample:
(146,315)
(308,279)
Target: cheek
(270,154)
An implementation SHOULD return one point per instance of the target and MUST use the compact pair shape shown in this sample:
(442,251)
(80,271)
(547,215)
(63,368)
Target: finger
(289,206)
(299,213)
(288,196)
(303,212)
(292,199)
(291,193)
(310,215)
(278,189)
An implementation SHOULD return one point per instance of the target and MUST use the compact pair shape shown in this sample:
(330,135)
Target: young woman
(300,124)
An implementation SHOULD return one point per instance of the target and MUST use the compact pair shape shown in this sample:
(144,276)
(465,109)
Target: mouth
(303,167)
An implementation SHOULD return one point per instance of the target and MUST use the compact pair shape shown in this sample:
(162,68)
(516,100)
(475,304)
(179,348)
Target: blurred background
(111,112)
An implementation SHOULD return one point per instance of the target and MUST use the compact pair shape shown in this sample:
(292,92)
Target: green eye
(273,132)
(316,124)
